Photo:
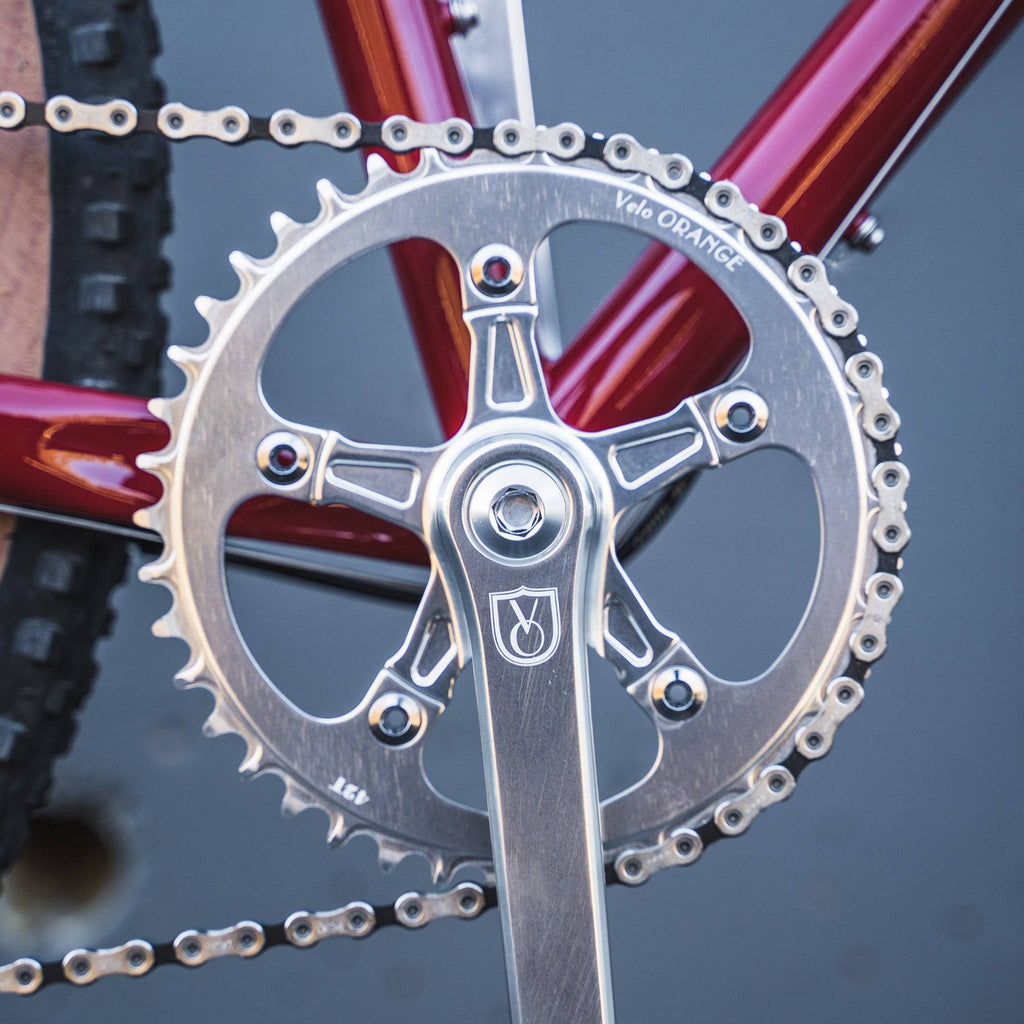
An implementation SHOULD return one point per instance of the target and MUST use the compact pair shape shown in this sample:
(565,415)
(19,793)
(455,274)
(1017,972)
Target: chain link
(682,845)
(247,939)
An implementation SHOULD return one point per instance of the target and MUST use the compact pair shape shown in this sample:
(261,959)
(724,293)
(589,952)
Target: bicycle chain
(193,948)
(619,152)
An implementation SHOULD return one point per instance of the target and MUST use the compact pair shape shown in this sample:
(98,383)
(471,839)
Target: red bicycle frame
(814,154)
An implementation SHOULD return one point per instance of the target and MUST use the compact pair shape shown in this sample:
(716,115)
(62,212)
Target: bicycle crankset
(518,512)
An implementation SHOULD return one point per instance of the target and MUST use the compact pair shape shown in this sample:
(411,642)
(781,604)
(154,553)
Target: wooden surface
(24,212)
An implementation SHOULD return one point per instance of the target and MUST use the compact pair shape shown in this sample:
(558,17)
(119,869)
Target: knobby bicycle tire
(104,329)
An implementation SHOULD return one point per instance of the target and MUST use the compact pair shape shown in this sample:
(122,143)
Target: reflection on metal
(935,99)
(522,592)
(495,69)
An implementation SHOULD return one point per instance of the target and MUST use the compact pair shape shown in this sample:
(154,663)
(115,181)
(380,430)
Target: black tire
(105,330)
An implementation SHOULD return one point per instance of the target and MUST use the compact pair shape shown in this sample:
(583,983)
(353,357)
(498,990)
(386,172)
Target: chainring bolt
(395,718)
(741,415)
(496,270)
(283,457)
(678,695)
(678,692)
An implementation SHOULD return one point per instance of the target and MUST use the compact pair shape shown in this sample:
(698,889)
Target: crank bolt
(395,718)
(517,513)
(741,415)
(517,510)
(283,457)
(678,692)
(496,270)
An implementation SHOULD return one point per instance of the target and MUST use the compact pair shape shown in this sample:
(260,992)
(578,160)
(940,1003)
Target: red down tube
(809,155)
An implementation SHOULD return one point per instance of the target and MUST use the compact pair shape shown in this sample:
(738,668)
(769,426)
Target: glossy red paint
(808,154)
(69,449)
(394,57)
(72,450)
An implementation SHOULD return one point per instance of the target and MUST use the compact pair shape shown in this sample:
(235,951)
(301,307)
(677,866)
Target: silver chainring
(807,386)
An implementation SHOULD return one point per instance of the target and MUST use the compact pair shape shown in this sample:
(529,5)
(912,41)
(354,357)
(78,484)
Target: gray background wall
(890,886)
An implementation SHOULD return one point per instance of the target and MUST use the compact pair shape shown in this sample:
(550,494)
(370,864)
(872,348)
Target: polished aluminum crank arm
(524,532)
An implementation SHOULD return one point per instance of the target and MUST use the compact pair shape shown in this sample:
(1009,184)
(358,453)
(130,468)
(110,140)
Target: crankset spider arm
(324,467)
(705,431)
(383,480)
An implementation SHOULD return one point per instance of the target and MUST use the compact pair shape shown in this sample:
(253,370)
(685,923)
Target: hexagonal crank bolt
(517,513)
(741,415)
(865,232)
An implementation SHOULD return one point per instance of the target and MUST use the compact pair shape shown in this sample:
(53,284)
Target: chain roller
(774,783)
(808,275)
(879,419)
(883,591)
(681,846)
(355,920)
(623,153)
(193,947)
(12,110)
(118,117)
(23,977)
(415,909)
(565,141)
(891,532)
(842,698)
(725,200)
(402,134)
(290,128)
(228,124)
(84,966)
